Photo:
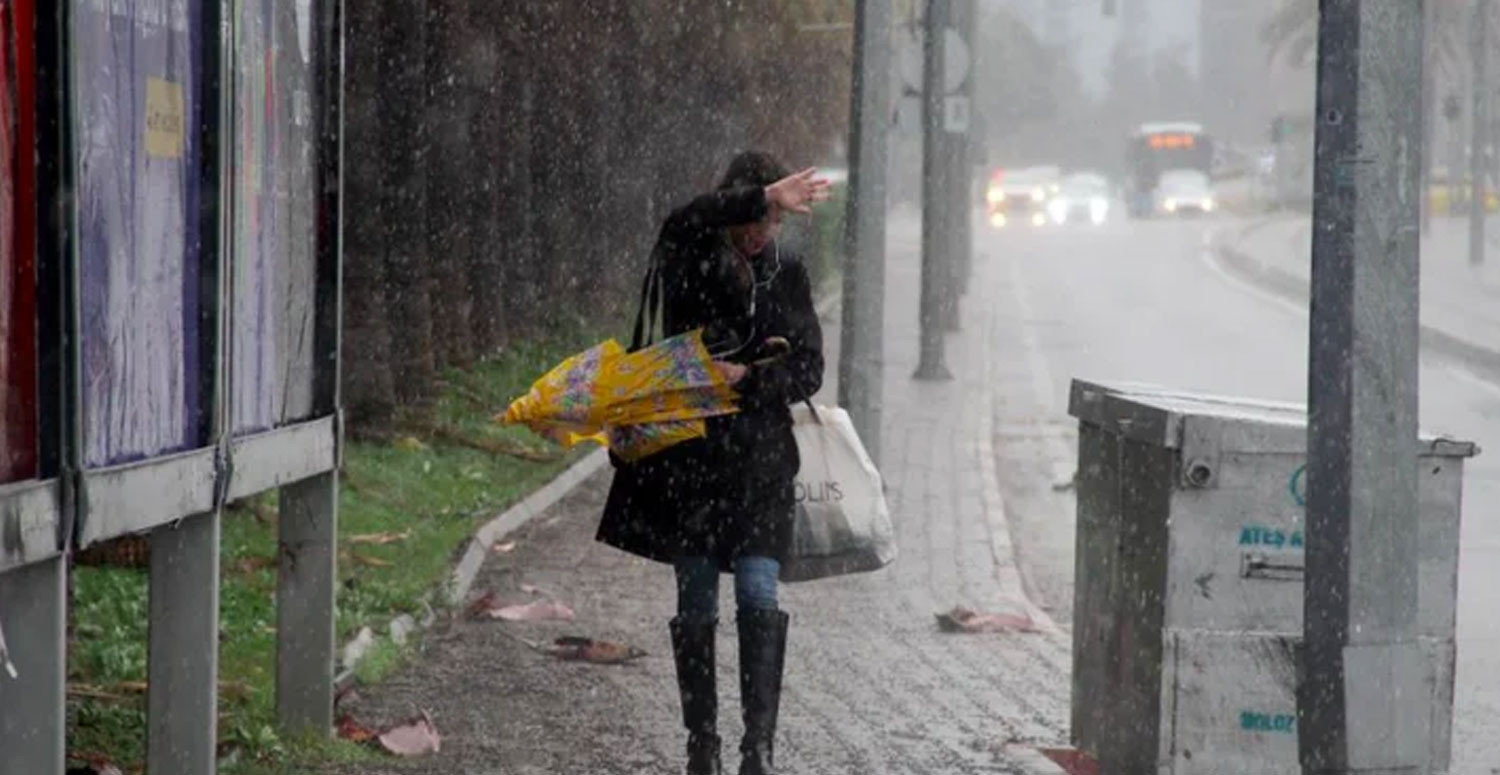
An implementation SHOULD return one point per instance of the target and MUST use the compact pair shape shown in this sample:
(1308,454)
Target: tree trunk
(403,214)
(486,266)
(451,163)
(368,391)
(520,282)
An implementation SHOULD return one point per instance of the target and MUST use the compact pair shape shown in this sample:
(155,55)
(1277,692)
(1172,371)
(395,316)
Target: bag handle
(645,316)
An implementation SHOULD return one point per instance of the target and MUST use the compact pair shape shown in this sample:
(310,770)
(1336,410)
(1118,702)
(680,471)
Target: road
(1146,302)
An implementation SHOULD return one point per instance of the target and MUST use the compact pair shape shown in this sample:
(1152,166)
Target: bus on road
(1156,148)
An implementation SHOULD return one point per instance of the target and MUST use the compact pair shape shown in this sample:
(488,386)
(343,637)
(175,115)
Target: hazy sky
(1173,23)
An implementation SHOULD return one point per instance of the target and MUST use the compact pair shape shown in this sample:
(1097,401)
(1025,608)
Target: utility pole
(1361,698)
(937,254)
(1479,135)
(861,361)
(959,124)
(1429,114)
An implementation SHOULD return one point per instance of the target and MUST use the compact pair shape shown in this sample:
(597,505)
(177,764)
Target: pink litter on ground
(534,612)
(413,738)
(965,620)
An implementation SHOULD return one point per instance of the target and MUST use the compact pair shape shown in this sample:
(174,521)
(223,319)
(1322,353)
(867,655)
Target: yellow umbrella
(637,403)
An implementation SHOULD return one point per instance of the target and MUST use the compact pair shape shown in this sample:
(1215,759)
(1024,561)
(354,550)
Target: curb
(1293,288)
(461,580)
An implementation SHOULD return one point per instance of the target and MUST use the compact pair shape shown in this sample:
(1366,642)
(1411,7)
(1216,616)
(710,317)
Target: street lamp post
(1479,135)
(861,335)
(1360,660)
(937,269)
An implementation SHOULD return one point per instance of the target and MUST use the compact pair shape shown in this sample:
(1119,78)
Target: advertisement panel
(273,215)
(136,104)
(18,361)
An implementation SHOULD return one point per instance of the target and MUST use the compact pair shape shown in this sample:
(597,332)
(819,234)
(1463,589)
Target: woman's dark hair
(753,168)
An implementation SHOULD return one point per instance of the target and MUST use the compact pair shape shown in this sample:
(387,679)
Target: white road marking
(1465,375)
(1458,370)
(1210,260)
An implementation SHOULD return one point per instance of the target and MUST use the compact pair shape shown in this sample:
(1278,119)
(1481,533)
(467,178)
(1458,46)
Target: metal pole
(1479,134)
(861,363)
(961,160)
(1429,116)
(1360,661)
(936,257)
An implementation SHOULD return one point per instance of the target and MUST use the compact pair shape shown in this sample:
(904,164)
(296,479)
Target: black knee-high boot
(762,659)
(693,646)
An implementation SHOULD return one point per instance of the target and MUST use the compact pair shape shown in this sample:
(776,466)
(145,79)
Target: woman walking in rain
(724,503)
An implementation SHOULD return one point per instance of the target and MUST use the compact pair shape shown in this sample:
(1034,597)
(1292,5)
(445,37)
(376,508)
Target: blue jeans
(698,586)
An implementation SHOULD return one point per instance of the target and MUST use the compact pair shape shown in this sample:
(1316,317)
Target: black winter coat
(729,494)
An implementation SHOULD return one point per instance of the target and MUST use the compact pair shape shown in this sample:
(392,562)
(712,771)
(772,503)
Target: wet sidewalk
(872,685)
(1459,301)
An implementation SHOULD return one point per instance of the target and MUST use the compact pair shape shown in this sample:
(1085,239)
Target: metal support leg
(305,604)
(183,664)
(33,613)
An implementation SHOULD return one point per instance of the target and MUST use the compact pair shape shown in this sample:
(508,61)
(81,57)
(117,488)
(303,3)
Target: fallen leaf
(410,444)
(254,563)
(93,693)
(352,730)
(576,649)
(366,560)
(964,620)
(93,764)
(483,605)
(1072,762)
(414,738)
(538,611)
(378,539)
(503,548)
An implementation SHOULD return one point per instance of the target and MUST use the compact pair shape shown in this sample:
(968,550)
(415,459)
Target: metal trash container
(1188,581)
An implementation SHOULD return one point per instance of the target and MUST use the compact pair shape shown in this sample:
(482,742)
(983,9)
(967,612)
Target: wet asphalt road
(1144,302)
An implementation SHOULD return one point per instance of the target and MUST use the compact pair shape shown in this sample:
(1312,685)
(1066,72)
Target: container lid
(1166,417)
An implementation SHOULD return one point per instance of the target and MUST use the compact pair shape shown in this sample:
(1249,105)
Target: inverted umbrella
(637,403)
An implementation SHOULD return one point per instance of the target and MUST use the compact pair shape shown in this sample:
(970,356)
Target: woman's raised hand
(799,191)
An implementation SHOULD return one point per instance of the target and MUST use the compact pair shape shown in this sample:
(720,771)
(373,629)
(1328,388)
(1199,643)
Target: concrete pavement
(872,685)
(1460,302)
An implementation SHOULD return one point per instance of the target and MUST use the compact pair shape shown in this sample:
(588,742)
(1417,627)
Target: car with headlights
(1184,192)
(1018,197)
(1081,198)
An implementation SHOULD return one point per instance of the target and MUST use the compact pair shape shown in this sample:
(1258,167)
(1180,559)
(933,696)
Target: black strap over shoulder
(651,299)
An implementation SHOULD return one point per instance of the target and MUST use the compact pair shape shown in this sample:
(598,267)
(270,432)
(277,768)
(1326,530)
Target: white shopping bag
(843,524)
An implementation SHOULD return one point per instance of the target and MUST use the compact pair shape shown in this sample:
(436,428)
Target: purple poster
(273,211)
(136,104)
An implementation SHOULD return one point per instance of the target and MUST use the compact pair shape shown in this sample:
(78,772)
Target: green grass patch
(431,479)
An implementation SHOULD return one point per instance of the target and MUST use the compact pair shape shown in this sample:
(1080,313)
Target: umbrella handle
(779,346)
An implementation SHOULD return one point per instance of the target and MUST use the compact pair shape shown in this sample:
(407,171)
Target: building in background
(1239,99)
